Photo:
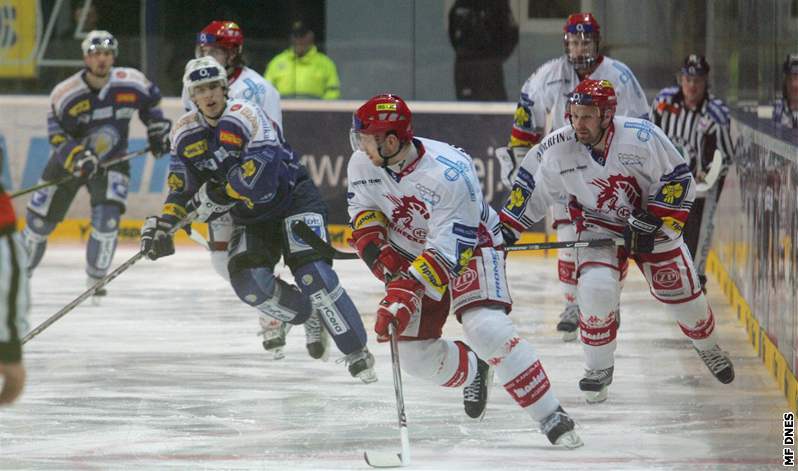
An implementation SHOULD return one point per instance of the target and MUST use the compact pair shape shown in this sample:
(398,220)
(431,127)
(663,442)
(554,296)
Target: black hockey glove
(210,201)
(158,137)
(85,164)
(155,239)
(641,231)
(509,236)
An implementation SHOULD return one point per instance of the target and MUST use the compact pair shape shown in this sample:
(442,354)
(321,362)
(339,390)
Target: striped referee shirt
(695,133)
(782,114)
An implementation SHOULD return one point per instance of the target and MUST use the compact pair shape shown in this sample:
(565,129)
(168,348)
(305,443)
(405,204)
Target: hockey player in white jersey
(544,93)
(624,178)
(422,226)
(224,41)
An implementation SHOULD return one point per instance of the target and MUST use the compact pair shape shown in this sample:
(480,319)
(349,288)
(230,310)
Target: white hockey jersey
(434,207)
(642,169)
(546,91)
(246,84)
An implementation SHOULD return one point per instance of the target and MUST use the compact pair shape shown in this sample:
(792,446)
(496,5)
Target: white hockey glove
(509,159)
(209,201)
(85,164)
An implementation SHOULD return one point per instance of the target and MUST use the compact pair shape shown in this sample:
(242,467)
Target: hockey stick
(385,459)
(66,178)
(100,283)
(711,177)
(328,251)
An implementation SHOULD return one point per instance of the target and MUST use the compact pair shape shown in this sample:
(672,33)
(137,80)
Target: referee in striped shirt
(13,302)
(698,124)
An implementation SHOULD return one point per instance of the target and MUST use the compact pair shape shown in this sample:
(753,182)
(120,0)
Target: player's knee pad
(219,263)
(598,296)
(443,362)
(320,285)
(34,238)
(487,330)
(299,253)
(259,288)
(102,241)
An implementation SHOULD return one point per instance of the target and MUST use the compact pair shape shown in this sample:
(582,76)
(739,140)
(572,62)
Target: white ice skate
(274,332)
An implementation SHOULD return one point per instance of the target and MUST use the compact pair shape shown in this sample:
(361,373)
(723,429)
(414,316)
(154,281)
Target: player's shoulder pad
(243,114)
(717,110)
(556,139)
(185,125)
(451,170)
(66,91)
(130,76)
(549,73)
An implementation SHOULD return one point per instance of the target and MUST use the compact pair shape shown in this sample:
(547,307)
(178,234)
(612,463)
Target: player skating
(544,94)
(625,179)
(227,156)
(421,225)
(87,125)
(224,41)
(697,123)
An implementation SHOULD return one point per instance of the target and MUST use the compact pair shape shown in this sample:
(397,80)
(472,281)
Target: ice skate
(569,323)
(595,384)
(475,395)
(559,429)
(718,363)
(316,337)
(274,332)
(98,295)
(361,365)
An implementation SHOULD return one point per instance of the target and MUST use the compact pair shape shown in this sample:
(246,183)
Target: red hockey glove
(401,302)
(373,248)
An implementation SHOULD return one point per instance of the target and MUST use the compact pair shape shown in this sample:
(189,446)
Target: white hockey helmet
(99,40)
(201,71)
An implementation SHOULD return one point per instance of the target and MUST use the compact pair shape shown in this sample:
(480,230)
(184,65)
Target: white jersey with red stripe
(435,211)
(546,91)
(246,84)
(641,169)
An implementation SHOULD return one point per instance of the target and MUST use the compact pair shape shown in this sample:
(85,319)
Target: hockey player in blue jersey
(227,156)
(88,124)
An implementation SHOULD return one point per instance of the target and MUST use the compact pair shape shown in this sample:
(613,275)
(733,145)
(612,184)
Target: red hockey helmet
(591,92)
(383,114)
(582,26)
(223,34)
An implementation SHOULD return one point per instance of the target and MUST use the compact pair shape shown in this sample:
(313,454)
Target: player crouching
(422,226)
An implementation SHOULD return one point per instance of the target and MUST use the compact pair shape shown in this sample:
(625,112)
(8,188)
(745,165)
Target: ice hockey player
(226,156)
(627,180)
(14,302)
(544,93)
(88,124)
(422,226)
(697,124)
(224,41)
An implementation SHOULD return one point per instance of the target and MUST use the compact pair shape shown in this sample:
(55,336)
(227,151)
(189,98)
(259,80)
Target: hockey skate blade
(569,336)
(277,353)
(569,440)
(595,397)
(383,459)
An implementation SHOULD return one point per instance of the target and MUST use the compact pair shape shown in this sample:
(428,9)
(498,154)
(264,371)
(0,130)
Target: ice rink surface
(168,374)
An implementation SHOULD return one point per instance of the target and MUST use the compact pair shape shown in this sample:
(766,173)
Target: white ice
(168,374)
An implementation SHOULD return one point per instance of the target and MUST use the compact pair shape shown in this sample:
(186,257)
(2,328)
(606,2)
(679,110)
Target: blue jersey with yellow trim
(244,153)
(81,117)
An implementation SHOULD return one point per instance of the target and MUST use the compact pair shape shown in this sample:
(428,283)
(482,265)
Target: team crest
(409,217)
(516,202)
(673,193)
(176,182)
(522,117)
(618,193)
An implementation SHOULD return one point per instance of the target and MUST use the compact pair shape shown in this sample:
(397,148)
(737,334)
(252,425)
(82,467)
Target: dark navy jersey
(244,153)
(82,118)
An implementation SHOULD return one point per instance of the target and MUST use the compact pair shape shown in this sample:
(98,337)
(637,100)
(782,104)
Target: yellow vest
(310,76)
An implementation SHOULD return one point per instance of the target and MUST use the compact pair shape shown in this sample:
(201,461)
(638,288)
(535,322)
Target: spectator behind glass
(483,35)
(785,109)
(302,71)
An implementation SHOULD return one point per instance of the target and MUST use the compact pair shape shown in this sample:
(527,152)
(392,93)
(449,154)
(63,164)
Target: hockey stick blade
(318,244)
(378,459)
(712,176)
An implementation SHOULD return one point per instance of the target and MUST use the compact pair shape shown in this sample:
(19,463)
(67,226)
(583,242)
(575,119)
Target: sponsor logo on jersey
(462,230)
(616,192)
(80,107)
(235,107)
(176,182)
(428,194)
(673,193)
(102,113)
(125,113)
(629,159)
(121,74)
(368,219)
(170,209)
(572,169)
(666,276)
(195,149)
(429,275)
(230,138)
(516,202)
(464,280)
(57,139)
(386,106)
(322,301)
(128,97)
